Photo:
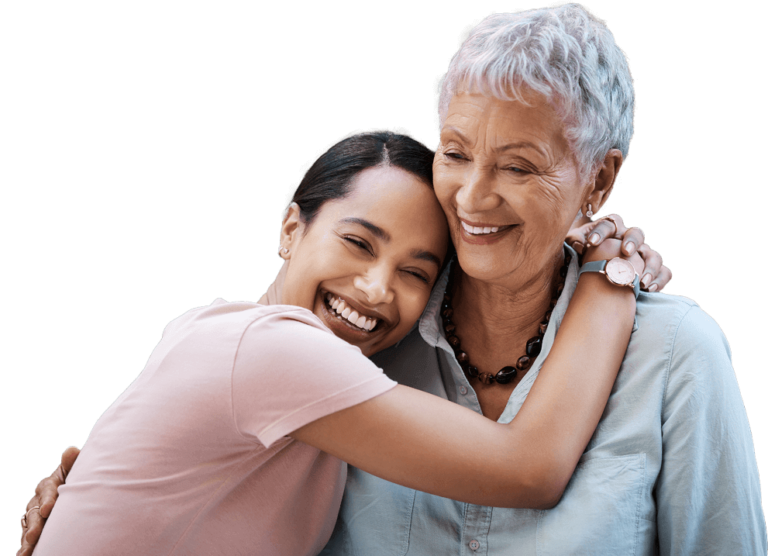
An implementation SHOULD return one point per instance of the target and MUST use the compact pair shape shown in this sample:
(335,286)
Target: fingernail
(594,238)
(647,278)
(630,247)
(653,288)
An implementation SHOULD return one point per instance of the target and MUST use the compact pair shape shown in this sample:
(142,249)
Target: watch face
(620,271)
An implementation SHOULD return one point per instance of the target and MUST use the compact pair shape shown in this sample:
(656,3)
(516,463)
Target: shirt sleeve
(290,371)
(708,491)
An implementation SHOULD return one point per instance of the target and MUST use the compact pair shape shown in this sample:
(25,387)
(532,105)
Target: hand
(39,508)
(609,249)
(655,275)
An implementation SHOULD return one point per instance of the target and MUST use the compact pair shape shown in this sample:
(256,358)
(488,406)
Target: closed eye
(418,275)
(359,243)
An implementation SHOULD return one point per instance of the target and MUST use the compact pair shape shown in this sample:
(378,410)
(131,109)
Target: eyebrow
(426,256)
(371,227)
(381,234)
(508,146)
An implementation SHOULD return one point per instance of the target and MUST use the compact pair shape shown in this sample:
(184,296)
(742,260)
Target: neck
(275,290)
(500,318)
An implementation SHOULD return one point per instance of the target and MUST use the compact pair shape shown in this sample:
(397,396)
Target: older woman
(536,117)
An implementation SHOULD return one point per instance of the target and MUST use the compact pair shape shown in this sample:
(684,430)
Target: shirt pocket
(599,512)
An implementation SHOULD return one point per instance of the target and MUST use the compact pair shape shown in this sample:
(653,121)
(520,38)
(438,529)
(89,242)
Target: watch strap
(599,266)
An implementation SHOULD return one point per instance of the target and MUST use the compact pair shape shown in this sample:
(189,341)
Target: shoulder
(676,324)
(684,325)
(291,336)
(697,356)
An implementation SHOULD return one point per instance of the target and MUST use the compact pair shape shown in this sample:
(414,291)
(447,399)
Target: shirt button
(463,390)
(474,545)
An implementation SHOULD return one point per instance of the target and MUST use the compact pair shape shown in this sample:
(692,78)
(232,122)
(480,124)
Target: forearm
(569,395)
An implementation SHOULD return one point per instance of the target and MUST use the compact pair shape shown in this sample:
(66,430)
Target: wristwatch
(618,271)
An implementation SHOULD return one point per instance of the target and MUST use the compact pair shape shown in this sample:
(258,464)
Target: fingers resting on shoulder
(654,275)
(41,504)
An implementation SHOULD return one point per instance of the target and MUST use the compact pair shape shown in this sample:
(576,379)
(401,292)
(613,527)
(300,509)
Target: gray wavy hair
(564,53)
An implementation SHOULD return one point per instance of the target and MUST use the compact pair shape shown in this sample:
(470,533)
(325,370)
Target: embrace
(455,358)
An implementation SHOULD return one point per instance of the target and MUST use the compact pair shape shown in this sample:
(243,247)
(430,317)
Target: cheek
(445,184)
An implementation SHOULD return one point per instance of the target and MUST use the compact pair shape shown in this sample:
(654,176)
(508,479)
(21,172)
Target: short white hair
(564,53)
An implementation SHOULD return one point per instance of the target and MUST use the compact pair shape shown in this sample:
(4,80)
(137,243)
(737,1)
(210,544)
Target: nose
(477,193)
(376,284)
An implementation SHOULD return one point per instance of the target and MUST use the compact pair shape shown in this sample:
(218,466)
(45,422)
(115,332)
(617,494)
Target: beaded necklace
(532,347)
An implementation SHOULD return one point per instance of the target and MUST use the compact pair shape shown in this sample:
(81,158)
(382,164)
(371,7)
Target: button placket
(477,522)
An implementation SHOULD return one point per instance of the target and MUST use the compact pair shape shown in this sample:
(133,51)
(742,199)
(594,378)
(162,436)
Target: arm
(423,442)
(708,491)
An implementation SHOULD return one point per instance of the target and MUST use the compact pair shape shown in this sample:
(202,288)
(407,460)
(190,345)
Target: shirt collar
(431,326)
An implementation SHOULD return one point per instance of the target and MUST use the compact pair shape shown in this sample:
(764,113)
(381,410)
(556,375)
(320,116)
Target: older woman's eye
(455,156)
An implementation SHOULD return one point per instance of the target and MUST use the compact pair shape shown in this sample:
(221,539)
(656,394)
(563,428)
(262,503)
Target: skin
(388,274)
(380,249)
(507,164)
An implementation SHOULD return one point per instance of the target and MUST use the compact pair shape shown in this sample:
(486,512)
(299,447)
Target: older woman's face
(509,185)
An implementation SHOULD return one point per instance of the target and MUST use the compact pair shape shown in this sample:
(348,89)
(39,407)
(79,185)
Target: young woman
(233,437)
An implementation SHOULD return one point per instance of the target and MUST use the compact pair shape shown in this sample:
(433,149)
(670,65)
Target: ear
(598,191)
(291,231)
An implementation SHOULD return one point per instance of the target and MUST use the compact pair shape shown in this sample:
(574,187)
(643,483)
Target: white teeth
(340,307)
(477,230)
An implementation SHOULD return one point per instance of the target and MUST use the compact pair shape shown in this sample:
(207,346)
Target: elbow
(548,496)
(549,484)
(541,490)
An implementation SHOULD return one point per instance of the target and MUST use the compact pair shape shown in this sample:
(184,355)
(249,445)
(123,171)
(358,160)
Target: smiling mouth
(340,307)
(483,230)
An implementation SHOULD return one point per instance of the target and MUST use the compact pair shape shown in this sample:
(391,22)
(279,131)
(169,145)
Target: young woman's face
(367,263)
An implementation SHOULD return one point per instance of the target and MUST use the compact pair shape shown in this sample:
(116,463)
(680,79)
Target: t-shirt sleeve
(290,371)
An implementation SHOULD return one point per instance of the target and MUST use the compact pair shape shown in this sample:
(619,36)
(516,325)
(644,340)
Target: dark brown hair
(330,176)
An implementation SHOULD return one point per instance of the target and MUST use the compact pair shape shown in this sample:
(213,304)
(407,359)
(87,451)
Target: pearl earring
(589,212)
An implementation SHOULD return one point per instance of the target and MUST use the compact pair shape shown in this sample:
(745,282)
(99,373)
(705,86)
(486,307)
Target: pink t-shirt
(193,457)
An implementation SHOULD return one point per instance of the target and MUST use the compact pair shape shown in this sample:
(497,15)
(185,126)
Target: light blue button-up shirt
(670,469)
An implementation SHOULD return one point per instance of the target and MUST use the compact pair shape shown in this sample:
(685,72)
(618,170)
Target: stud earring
(589,212)
(282,251)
